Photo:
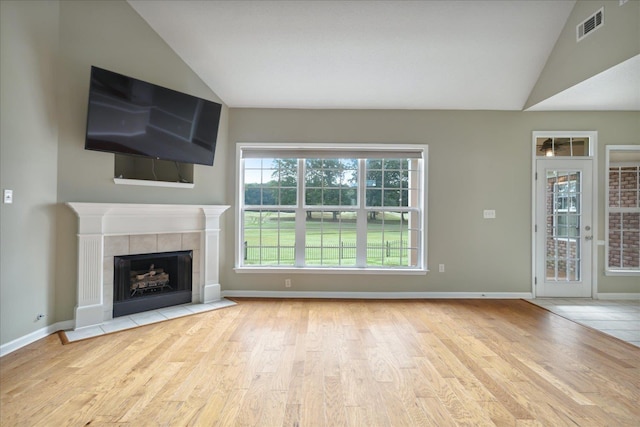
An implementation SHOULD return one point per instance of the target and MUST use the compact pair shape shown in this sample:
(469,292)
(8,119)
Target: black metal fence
(342,251)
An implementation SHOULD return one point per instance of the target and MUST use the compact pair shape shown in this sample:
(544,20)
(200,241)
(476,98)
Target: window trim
(608,270)
(384,149)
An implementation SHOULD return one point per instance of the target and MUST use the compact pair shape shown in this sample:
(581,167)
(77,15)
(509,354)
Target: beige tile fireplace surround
(106,230)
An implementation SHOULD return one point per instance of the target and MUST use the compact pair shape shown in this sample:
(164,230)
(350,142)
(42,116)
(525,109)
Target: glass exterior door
(564,239)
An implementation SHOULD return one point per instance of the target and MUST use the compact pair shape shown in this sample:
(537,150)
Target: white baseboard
(378,295)
(14,345)
(626,296)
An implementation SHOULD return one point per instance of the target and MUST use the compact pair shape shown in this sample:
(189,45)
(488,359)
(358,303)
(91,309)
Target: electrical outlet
(287,283)
(441,268)
(489,214)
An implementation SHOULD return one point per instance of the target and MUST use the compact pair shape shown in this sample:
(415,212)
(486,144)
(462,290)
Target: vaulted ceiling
(471,55)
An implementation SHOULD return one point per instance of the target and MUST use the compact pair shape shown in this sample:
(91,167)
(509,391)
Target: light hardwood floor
(332,363)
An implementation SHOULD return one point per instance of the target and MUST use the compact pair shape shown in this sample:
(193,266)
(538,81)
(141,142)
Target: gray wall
(28,165)
(477,160)
(571,62)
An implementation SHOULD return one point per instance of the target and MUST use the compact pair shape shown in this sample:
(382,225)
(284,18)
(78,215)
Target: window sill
(312,270)
(622,272)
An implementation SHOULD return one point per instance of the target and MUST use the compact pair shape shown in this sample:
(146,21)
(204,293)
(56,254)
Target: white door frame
(593,150)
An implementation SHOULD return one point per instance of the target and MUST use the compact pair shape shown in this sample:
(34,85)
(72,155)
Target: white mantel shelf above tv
(149,183)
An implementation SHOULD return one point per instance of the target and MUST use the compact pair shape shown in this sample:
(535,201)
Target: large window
(623,210)
(331,207)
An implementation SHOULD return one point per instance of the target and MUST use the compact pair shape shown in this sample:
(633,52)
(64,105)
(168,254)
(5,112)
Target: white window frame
(608,270)
(391,149)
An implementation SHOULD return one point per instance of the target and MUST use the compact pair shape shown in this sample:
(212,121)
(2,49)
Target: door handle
(588,237)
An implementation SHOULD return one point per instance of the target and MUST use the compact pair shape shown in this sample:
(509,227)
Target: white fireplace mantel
(97,220)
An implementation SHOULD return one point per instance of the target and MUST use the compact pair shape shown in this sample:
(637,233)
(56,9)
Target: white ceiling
(471,55)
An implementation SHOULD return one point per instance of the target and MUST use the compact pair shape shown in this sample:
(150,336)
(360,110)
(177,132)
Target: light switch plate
(8,196)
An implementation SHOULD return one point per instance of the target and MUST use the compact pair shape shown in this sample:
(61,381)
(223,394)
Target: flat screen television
(130,116)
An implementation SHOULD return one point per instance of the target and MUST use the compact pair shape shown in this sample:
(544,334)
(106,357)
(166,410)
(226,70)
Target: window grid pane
(388,182)
(331,182)
(330,238)
(270,182)
(562,147)
(388,239)
(268,237)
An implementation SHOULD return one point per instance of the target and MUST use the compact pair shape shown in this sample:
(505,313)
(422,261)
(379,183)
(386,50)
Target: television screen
(130,116)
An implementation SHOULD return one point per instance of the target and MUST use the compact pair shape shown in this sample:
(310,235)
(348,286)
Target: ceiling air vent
(590,24)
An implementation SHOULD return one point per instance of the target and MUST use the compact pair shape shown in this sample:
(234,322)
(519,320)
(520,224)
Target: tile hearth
(145,318)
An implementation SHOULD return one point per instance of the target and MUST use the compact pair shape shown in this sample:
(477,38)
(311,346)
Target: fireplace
(150,281)
(107,230)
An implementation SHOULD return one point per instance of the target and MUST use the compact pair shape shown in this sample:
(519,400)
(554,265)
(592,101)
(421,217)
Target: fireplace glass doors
(151,281)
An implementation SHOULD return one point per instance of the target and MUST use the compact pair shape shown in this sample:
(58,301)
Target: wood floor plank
(312,390)
(493,390)
(436,413)
(407,387)
(396,408)
(187,413)
(229,415)
(291,416)
(358,416)
(334,412)
(556,382)
(297,362)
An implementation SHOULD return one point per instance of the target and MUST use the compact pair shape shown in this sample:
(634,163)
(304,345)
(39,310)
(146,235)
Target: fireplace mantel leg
(89,308)
(211,290)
